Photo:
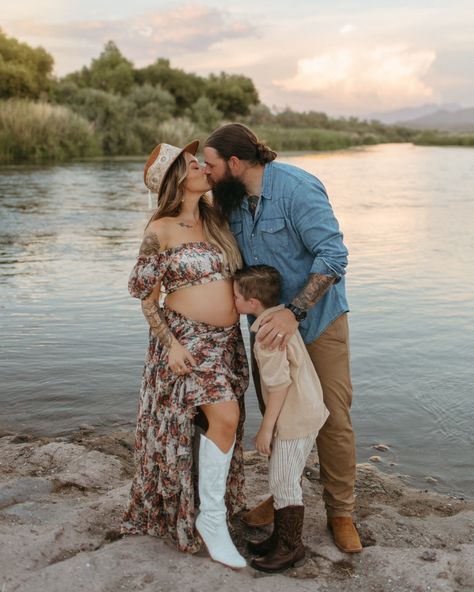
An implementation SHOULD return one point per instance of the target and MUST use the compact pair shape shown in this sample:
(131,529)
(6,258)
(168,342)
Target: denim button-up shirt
(295,231)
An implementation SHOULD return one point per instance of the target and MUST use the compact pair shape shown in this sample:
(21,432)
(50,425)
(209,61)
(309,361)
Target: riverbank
(61,501)
(42,132)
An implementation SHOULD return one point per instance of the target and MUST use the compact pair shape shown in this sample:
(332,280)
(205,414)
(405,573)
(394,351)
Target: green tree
(232,94)
(185,88)
(25,72)
(259,115)
(113,118)
(110,72)
(152,102)
(205,114)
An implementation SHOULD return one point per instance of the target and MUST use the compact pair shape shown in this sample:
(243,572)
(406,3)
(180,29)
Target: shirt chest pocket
(274,233)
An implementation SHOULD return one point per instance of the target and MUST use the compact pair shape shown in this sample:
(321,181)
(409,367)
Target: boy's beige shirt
(303,412)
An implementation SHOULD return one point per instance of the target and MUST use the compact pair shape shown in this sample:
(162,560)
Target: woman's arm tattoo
(150,307)
(314,290)
(156,319)
(150,245)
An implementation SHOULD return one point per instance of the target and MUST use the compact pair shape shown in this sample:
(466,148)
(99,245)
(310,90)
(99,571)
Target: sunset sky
(342,57)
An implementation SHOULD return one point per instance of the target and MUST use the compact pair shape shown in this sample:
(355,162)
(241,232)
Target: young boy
(294,414)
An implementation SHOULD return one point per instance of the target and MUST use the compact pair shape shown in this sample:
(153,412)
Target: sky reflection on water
(73,341)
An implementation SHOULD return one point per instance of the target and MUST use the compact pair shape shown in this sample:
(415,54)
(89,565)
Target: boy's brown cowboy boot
(261,515)
(346,538)
(263,547)
(289,550)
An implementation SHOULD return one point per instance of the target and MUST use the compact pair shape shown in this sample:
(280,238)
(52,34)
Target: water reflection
(73,341)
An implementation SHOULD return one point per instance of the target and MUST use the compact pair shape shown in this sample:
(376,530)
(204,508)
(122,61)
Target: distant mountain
(409,113)
(461,120)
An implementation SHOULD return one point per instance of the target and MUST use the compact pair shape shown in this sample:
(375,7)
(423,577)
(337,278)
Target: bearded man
(280,215)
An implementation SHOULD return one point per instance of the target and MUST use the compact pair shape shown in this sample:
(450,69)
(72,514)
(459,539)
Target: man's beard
(228,194)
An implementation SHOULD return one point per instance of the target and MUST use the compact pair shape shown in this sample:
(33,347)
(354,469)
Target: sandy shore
(61,500)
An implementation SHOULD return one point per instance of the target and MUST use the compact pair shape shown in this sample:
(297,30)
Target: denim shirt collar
(266,186)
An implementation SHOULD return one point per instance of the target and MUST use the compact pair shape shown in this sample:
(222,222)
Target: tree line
(111,108)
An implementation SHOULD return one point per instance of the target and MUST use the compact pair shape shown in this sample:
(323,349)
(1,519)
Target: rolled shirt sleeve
(314,220)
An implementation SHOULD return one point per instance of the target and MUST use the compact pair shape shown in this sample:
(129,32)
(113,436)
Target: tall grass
(38,132)
(311,138)
(435,138)
(35,132)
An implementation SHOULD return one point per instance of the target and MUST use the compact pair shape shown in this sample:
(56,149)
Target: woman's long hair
(215,227)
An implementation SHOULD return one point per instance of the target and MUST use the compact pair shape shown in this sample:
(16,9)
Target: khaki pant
(336,445)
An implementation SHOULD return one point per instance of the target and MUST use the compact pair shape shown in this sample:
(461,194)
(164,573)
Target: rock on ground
(61,502)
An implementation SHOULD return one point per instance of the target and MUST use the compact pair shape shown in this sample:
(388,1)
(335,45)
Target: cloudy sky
(340,56)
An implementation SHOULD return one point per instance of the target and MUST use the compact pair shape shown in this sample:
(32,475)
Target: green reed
(37,131)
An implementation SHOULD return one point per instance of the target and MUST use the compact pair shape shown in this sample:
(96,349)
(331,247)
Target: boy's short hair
(260,281)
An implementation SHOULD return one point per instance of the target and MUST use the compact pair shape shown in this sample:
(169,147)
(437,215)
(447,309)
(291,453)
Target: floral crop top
(188,264)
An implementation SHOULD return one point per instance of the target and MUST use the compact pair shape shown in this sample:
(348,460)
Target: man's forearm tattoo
(150,245)
(316,287)
(156,319)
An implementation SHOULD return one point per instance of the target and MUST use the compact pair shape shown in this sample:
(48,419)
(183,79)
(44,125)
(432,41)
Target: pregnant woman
(195,361)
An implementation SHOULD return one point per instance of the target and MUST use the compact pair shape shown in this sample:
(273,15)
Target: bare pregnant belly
(211,303)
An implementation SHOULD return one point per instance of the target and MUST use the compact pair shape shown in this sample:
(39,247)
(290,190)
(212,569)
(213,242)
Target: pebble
(381,447)
(428,556)
(431,480)
(375,459)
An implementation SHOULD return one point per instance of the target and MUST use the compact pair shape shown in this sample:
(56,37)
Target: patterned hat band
(161,159)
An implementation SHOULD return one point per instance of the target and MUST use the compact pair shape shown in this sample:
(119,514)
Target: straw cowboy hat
(160,161)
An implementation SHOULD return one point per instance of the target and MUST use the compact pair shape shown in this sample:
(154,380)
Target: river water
(72,340)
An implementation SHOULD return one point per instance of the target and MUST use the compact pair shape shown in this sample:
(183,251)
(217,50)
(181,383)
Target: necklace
(185,225)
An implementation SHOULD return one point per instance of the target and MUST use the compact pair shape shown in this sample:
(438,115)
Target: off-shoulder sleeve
(146,273)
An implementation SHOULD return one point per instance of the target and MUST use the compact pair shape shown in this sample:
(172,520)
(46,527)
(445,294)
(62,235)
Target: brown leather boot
(261,515)
(289,550)
(346,538)
(263,547)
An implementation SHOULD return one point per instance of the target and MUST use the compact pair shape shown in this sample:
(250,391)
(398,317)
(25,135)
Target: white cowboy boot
(211,522)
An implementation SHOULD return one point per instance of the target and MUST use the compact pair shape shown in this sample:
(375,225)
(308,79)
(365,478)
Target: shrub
(291,139)
(205,114)
(25,72)
(177,132)
(38,131)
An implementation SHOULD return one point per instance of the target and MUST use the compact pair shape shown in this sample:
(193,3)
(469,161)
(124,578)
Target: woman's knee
(223,416)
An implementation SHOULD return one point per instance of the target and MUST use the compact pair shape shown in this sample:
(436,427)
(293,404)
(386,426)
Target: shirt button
(253,234)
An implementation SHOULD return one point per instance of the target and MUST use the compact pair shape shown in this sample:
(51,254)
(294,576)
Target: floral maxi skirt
(162,498)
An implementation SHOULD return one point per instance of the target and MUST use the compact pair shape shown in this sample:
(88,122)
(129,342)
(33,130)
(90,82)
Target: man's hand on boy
(277,329)
(263,441)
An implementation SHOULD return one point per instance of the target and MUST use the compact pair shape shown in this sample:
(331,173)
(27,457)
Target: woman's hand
(277,329)
(263,441)
(180,359)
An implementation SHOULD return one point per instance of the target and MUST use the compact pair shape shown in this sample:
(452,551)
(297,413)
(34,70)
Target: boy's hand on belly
(263,441)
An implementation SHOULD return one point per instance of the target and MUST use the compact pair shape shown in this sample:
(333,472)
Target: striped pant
(287,462)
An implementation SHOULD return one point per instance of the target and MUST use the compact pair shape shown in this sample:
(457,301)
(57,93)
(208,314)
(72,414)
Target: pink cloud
(186,29)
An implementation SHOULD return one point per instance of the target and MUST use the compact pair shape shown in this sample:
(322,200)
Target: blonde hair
(215,227)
